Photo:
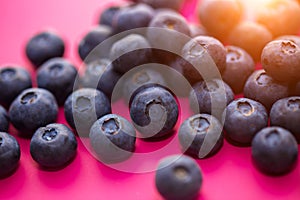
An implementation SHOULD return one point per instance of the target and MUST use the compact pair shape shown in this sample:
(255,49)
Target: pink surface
(228,175)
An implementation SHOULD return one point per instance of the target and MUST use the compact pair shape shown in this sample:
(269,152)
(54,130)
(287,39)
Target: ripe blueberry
(243,119)
(274,151)
(178,177)
(83,107)
(154,111)
(53,146)
(58,76)
(13,80)
(201,136)
(9,154)
(33,108)
(112,138)
(43,46)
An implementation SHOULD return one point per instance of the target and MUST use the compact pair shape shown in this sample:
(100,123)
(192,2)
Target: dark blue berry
(53,146)
(211,97)
(43,46)
(165,28)
(243,118)
(58,76)
(4,120)
(239,66)
(178,177)
(171,4)
(9,154)
(129,52)
(154,111)
(99,74)
(33,108)
(131,17)
(13,80)
(91,40)
(107,15)
(83,107)
(274,151)
(264,89)
(113,138)
(200,50)
(286,114)
(201,136)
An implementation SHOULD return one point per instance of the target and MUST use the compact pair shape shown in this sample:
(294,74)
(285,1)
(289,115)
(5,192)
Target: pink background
(228,175)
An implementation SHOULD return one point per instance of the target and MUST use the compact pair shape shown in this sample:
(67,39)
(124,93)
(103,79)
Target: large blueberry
(4,120)
(53,146)
(170,4)
(239,66)
(264,89)
(58,76)
(165,28)
(201,136)
(91,40)
(243,118)
(9,154)
(13,80)
(274,151)
(178,177)
(83,107)
(210,97)
(154,111)
(99,74)
(33,108)
(131,17)
(43,46)
(204,51)
(129,52)
(113,138)
(107,15)
(286,113)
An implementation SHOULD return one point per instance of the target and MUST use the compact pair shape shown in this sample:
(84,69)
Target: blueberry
(178,177)
(4,120)
(106,17)
(141,77)
(13,80)
(9,154)
(281,60)
(33,108)
(286,114)
(165,28)
(43,46)
(91,40)
(58,76)
(243,119)
(274,151)
(53,146)
(239,66)
(194,49)
(83,107)
(99,74)
(171,4)
(201,136)
(131,17)
(131,51)
(154,111)
(113,138)
(264,89)
(210,97)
